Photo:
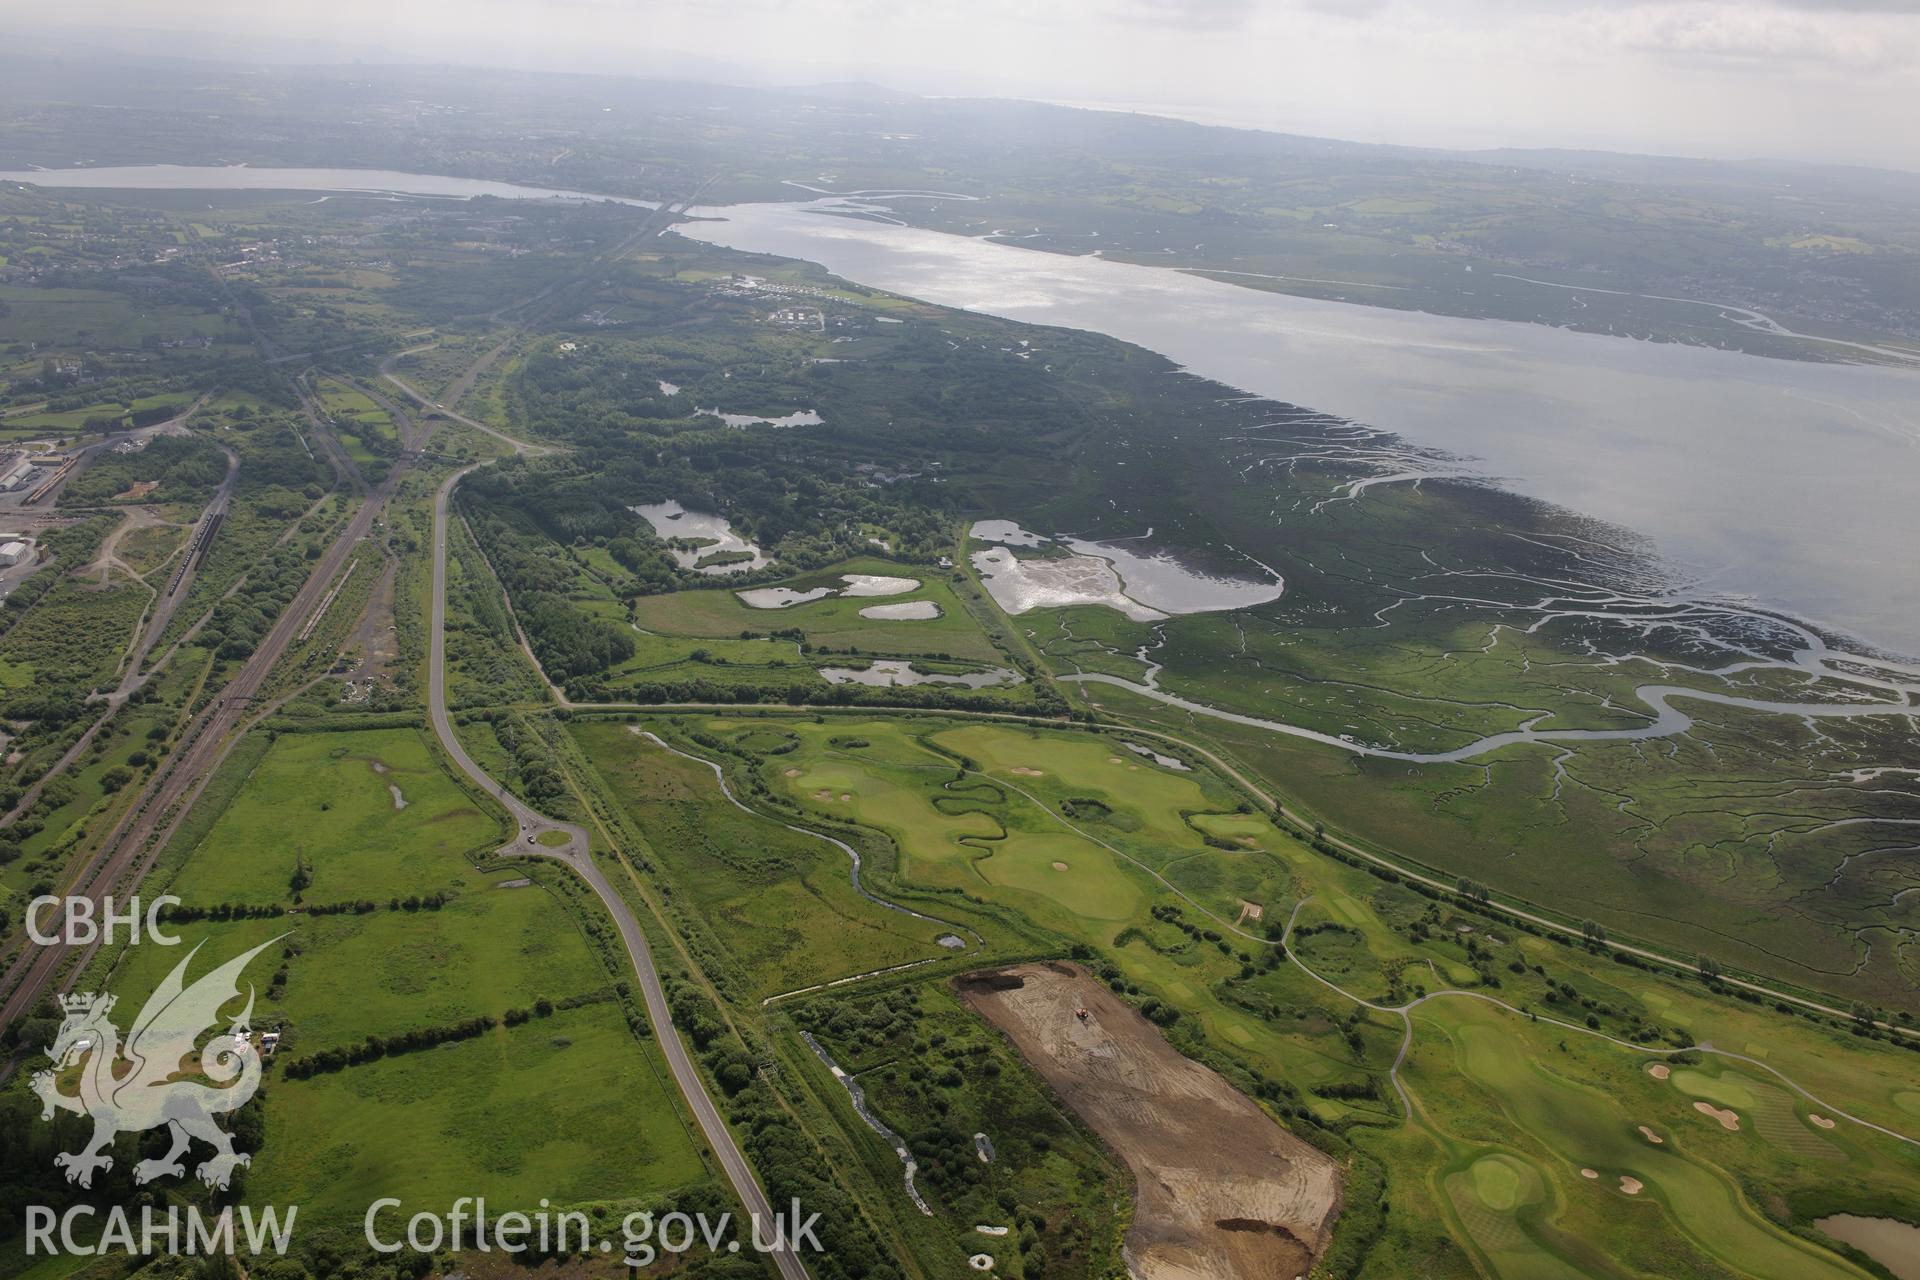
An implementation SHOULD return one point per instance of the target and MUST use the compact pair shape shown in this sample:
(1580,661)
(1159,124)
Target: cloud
(1905,8)
(1857,34)
(1189,15)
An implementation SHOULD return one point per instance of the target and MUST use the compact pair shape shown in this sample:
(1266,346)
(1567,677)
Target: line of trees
(374,1048)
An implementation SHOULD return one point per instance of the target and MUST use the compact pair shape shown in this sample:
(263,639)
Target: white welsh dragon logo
(138,1086)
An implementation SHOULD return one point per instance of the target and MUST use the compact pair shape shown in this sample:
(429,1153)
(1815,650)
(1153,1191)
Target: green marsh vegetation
(1523,1151)
(1413,618)
(397,926)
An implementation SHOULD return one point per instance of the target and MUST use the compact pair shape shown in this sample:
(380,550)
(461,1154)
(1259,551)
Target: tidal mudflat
(1712,455)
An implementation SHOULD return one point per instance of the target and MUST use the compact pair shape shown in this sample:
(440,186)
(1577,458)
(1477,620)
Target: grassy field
(519,1113)
(367,432)
(1551,1174)
(327,803)
(832,623)
(96,319)
(1156,871)
(779,905)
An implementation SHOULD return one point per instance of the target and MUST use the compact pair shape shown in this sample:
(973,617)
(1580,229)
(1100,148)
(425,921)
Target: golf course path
(574,852)
(1405,1013)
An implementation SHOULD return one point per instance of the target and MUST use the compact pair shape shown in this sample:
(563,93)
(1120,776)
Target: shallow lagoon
(888,672)
(798,418)
(671,520)
(911,611)
(1895,1245)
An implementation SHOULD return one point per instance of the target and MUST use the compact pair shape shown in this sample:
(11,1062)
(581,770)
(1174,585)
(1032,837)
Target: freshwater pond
(1893,1244)
(671,520)
(888,672)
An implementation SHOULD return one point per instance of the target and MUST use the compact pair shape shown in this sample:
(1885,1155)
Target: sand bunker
(1059,866)
(823,794)
(1650,1135)
(1025,772)
(793,773)
(1221,1190)
(1659,1071)
(1589,1173)
(1729,1120)
(1822,1121)
(845,797)
(1632,1186)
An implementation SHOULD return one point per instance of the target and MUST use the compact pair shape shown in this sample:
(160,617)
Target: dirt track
(1222,1192)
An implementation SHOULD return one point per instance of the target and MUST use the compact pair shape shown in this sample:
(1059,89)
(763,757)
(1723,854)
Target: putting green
(1588,1127)
(1485,1198)
(1723,1090)
(1503,1183)
(1093,886)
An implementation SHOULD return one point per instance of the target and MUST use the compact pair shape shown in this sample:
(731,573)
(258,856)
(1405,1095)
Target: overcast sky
(1806,79)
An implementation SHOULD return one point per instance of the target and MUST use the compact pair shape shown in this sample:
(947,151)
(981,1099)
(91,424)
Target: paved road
(575,854)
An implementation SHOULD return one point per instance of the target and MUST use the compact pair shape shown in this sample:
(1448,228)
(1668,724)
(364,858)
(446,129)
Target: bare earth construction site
(1222,1191)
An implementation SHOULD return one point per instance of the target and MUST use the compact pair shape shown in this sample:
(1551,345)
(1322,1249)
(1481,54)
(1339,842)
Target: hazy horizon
(1809,80)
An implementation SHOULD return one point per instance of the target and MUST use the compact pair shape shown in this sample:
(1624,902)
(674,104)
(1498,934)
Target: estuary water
(182,177)
(1792,484)
(1788,483)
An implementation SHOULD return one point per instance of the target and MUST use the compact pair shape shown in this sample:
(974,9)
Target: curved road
(575,854)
